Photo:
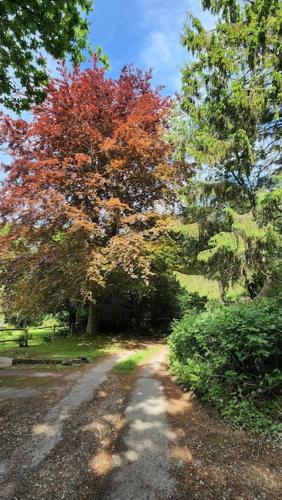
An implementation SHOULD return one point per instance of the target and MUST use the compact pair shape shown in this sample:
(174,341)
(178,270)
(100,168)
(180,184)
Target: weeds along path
(143,467)
(47,433)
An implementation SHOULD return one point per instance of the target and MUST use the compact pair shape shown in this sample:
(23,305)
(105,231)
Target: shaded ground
(81,462)
(137,430)
(142,466)
(219,462)
(47,432)
(21,407)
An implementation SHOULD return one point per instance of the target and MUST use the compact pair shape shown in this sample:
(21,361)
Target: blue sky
(145,33)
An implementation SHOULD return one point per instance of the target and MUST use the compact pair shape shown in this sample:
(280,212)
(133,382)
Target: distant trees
(28,27)
(83,197)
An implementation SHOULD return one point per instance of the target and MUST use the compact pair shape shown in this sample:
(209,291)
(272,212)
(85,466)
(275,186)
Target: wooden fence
(25,336)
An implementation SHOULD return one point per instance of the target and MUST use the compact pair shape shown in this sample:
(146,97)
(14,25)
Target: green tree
(232,93)
(243,254)
(27,27)
(229,124)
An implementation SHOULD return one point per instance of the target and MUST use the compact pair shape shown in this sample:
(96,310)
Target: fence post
(26,337)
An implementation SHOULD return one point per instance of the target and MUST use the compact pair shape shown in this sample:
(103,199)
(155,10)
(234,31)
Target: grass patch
(37,333)
(129,365)
(62,348)
(45,367)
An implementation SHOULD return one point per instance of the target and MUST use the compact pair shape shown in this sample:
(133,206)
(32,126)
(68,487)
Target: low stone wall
(32,361)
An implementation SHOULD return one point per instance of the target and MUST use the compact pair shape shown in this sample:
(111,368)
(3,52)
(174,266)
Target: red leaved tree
(83,193)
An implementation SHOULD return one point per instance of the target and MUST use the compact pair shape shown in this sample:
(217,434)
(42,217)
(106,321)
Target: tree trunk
(93,320)
(72,319)
(267,290)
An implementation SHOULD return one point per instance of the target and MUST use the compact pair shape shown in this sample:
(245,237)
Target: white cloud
(162,50)
(158,48)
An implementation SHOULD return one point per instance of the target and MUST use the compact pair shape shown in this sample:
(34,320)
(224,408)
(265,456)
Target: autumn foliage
(84,193)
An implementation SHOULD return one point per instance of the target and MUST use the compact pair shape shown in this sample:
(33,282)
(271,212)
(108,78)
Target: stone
(84,359)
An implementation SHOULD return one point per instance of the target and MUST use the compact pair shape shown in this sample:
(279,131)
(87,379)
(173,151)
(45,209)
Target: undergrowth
(231,357)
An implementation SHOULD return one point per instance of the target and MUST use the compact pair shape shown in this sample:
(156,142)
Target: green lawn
(44,367)
(129,364)
(61,348)
(35,333)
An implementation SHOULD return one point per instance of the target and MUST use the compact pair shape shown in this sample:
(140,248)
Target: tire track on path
(144,468)
(47,434)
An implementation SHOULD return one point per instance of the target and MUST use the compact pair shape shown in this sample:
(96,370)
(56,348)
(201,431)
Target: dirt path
(219,463)
(139,436)
(144,468)
(47,434)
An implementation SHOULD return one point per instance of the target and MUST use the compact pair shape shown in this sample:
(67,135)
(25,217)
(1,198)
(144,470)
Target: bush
(231,357)
(48,338)
(62,332)
(192,301)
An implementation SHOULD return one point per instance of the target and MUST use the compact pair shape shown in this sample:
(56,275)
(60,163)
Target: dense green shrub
(231,356)
(191,301)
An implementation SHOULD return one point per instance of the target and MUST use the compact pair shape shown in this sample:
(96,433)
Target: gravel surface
(79,465)
(219,463)
(46,434)
(133,436)
(11,393)
(144,469)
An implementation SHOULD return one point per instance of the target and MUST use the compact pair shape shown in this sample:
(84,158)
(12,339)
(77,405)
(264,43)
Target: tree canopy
(28,29)
(232,92)
(229,124)
(83,193)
